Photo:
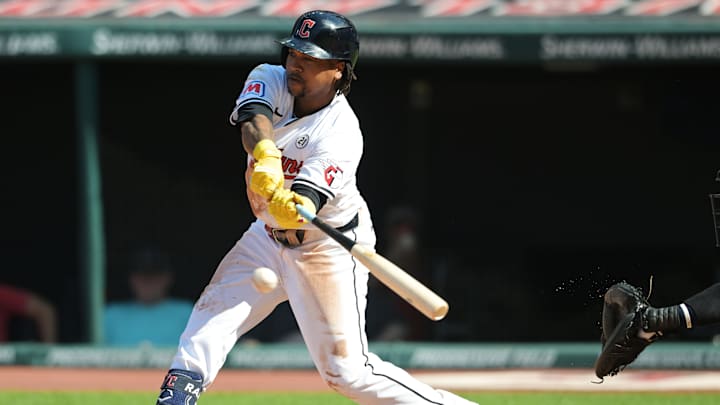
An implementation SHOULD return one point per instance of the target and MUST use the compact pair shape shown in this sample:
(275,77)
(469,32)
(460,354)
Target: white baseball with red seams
(325,286)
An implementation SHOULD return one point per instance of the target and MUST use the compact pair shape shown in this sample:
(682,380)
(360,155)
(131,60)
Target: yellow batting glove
(282,208)
(268,173)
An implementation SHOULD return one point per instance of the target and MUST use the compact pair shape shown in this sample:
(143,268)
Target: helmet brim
(306,47)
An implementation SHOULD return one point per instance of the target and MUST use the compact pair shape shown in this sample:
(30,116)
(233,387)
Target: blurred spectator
(390,318)
(152,316)
(17,302)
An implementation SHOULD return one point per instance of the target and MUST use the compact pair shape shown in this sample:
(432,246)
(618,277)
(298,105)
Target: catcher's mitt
(623,310)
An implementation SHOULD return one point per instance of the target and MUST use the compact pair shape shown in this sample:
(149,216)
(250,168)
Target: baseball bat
(398,280)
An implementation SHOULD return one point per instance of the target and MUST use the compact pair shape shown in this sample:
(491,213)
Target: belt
(294,237)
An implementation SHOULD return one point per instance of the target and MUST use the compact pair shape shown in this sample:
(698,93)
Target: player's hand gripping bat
(395,278)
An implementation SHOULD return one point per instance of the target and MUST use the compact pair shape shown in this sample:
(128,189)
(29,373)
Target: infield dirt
(74,379)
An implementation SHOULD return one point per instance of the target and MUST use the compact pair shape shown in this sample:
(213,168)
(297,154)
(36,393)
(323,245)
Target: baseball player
(304,145)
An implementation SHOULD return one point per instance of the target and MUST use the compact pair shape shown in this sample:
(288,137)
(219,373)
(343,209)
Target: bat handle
(304,212)
(345,242)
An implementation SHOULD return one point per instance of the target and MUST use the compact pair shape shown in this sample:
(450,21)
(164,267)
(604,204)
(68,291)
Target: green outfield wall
(668,355)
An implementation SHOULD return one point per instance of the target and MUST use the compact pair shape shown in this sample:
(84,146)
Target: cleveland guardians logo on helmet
(324,35)
(304,30)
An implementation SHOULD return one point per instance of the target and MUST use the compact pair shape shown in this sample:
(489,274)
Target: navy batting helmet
(324,35)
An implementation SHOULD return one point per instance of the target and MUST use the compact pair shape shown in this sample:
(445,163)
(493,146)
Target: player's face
(311,77)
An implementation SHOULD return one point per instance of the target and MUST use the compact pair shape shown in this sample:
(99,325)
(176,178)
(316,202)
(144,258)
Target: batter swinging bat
(395,278)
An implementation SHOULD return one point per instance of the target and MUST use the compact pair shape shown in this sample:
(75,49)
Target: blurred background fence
(544,150)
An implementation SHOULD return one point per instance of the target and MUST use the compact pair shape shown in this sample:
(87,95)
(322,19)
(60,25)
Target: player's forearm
(255,130)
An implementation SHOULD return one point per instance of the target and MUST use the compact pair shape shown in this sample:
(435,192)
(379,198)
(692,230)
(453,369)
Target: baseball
(264,280)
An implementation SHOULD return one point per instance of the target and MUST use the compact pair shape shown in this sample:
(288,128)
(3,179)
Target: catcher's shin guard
(180,387)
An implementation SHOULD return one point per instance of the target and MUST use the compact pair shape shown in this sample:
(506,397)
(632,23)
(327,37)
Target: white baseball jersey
(321,150)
